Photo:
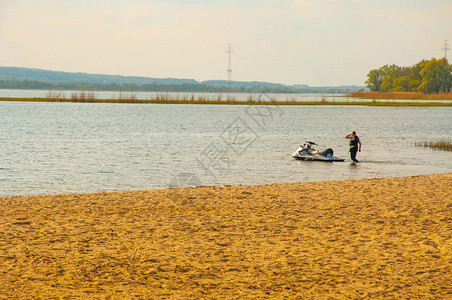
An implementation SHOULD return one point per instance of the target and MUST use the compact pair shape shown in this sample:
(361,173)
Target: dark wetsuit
(354,148)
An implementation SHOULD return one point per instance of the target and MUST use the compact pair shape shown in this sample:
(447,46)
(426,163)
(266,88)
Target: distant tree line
(427,76)
(151,87)
(71,85)
(158,87)
(28,78)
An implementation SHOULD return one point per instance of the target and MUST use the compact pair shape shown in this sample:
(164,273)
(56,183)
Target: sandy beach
(363,239)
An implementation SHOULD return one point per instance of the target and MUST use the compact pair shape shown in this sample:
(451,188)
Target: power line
(229,52)
(445,48)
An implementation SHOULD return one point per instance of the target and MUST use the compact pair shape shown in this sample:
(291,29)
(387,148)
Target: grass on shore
(439,145)
(401,95)
(233,102)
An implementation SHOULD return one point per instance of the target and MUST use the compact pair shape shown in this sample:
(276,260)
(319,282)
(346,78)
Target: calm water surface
(71,147)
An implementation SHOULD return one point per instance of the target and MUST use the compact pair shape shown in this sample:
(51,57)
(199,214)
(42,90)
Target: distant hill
(15,77)
(14,73)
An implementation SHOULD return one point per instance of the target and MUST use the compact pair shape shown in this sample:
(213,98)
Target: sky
(314,42)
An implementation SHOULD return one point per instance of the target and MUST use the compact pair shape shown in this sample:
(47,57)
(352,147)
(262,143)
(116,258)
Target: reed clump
(56,95)
(82,96)
(131,96)
(438,145)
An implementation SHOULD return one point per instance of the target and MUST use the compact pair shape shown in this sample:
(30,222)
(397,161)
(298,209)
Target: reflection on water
(72,147)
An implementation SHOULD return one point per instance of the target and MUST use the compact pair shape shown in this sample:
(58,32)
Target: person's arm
(349,136)
(359,145)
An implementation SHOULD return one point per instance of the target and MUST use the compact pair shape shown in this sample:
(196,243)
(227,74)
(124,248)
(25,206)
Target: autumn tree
(436,77)
(433,76)
(396,79)
(375,79)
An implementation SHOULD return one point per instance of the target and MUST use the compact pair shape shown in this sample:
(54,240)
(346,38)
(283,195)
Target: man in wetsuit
(355,145)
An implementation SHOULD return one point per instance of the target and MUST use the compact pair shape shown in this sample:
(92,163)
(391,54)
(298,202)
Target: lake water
(49,148)
(299,97)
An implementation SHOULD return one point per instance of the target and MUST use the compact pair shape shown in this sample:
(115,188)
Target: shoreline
(399,96)
(370,238)
(234,102)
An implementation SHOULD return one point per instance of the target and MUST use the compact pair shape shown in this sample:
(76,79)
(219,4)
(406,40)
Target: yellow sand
(372,238)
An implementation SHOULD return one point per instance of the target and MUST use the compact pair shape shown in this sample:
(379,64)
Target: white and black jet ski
(306,152)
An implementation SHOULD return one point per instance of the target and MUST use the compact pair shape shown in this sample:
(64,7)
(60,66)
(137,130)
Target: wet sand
(371,238)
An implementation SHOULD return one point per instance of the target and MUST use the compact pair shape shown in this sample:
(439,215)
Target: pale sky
(314,42)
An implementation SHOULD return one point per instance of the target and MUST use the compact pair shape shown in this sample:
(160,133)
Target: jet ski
(306,152)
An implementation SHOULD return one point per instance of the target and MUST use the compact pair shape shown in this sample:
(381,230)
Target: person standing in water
(355,145)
